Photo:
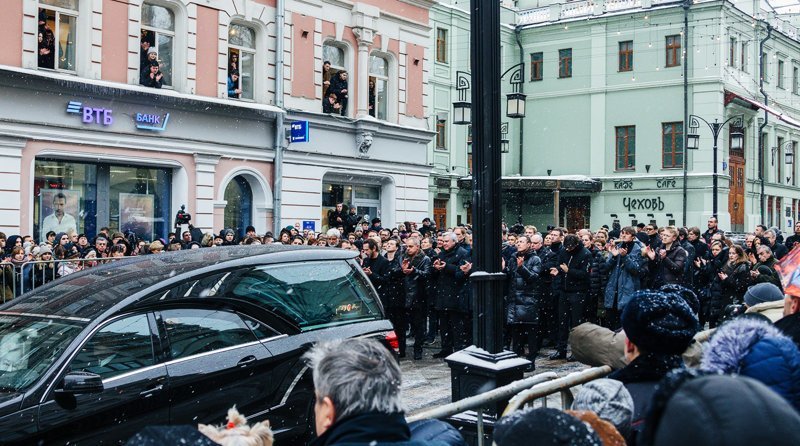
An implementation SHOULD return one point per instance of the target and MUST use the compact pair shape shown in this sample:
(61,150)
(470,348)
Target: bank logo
(147,121)
(74,107)
(91,115)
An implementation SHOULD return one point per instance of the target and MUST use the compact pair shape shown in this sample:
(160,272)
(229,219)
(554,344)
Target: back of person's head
(435,431)
(607,432)
(689,409)
(755,348)
(685,293)
(358,375)
(542,427)
(609,399)
(658,322)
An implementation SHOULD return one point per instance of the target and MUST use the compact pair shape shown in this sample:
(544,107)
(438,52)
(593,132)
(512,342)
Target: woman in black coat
(709,284)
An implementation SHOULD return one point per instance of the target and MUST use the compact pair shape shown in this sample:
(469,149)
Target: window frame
(159,31)
(565,63)
(58,12)
(625,56)
(628,154)
(380,77)
(674,49)
(743,56)
(441,136)
(795,80)
(781,72)
(240,49)
(441,45)
(763,64)
(537,66)
(732,52)
(675,151)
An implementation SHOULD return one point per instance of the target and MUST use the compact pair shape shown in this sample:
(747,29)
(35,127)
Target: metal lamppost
(737,139)
(515,101)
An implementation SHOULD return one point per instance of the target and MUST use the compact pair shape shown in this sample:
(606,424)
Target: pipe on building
(686,5)
(517,31)
(764,124)
(277,170)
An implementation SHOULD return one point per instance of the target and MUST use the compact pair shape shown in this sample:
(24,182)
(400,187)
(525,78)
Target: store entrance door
(440,213)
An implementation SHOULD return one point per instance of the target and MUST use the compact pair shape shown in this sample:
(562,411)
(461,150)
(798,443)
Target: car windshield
(30,344)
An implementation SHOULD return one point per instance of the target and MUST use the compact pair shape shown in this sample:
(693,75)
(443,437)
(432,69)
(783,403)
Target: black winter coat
(670,269)
(415,284)
(524,292)
(598,274)
(577,278)
(391,293)
(550,260)
(735,285)
(447,283)
(380,269)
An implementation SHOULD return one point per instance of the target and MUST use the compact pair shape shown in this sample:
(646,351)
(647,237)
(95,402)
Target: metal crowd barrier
(16,280)
(522,393)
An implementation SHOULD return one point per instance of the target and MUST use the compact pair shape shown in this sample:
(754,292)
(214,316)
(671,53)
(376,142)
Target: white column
(205,172)
(365,37)
(11,186)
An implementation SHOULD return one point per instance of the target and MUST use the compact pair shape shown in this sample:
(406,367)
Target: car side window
(194,331)
(119,347)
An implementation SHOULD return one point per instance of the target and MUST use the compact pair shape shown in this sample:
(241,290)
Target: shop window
(334,79)
(625,147)
(239,205)
(441,45)
(626,55)
(673,48)
(158,33)
(672,145)
(537,60)
(366,199)
(378,87)
(85,197)
(58,20)
(241,61)
(565,63)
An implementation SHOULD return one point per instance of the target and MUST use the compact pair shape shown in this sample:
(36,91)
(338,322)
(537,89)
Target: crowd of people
(334,90)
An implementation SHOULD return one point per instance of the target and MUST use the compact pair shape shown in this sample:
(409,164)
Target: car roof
(89,293)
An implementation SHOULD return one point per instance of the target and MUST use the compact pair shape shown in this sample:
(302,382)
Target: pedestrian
(415,268)
(626,268)
(609,399)
(574,262)
(543,427)
(713,228)
(667,262)
(445,288)
(522,313)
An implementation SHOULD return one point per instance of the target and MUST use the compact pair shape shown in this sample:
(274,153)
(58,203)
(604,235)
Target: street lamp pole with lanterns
(737,141)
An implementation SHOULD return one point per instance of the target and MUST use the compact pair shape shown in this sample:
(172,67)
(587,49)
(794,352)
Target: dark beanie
(762,292)
(659,322)
(541,427)
(688,295)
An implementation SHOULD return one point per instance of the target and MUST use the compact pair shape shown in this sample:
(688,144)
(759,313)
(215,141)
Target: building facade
(90,139)
(603,136)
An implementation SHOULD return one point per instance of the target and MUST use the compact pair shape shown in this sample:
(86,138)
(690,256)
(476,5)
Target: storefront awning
(784,117)
(559,182)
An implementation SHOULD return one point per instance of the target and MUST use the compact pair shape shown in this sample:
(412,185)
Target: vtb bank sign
(105,117)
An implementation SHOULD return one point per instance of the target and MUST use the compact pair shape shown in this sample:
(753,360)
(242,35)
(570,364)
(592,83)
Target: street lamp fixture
(462,109)
(515,105)
(504,143)
(737,140)
(789,152)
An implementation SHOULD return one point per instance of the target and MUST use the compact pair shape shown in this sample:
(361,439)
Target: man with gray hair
(357,395)
(447,279)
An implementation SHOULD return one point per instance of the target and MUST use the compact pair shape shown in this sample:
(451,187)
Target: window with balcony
(626,55)
(241,61)
(441,45)
(58,20)
(672,145)
(673,48)
(565,63)
(157,40)
(536,66)
(378,87)
(625,147)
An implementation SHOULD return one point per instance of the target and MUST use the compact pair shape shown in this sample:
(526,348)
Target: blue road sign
(308,224)
(299,131)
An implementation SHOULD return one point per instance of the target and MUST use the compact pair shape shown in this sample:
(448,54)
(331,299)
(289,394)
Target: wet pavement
(426,383)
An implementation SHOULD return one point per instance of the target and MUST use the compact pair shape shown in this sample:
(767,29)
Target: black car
(177,338)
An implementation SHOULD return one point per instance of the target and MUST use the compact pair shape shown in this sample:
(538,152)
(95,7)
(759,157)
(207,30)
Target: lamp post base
(474,371)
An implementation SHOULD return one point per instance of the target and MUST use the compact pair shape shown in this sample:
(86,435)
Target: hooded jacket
(756,349)
(524,292)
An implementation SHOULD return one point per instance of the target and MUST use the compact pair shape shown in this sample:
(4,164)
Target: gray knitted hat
(762,292)
(609,399)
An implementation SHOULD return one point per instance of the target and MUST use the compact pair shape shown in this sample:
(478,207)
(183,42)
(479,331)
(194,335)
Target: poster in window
(58,211)
(136,213)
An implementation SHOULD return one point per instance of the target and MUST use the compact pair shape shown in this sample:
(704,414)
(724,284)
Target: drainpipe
(764,124)
(517,31)
(686,5)
(280,9)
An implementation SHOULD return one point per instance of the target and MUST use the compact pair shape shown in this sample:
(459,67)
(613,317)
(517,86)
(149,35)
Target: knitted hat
(609,399)
(659,322)
(609,435)
(543,426)
(45,249)
(152,50)
(688,295)
(762,292)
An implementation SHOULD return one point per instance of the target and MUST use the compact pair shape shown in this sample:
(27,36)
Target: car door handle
(247,360)
(149,392)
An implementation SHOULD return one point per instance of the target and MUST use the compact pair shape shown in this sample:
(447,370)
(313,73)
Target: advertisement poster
(136,215)
(59,211)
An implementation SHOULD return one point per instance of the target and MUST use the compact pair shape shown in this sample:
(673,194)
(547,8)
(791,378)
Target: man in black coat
(551,285)
(415,269)
(337,216)
(574,262)
(375,266)
(446,285)
(793,240)
(713,228)
(790,323)
(778,249)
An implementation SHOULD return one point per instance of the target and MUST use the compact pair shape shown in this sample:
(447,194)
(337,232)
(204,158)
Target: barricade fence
(531,391)
(17,279)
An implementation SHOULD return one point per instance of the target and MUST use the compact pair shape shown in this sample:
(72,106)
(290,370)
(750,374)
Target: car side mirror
(81,382)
